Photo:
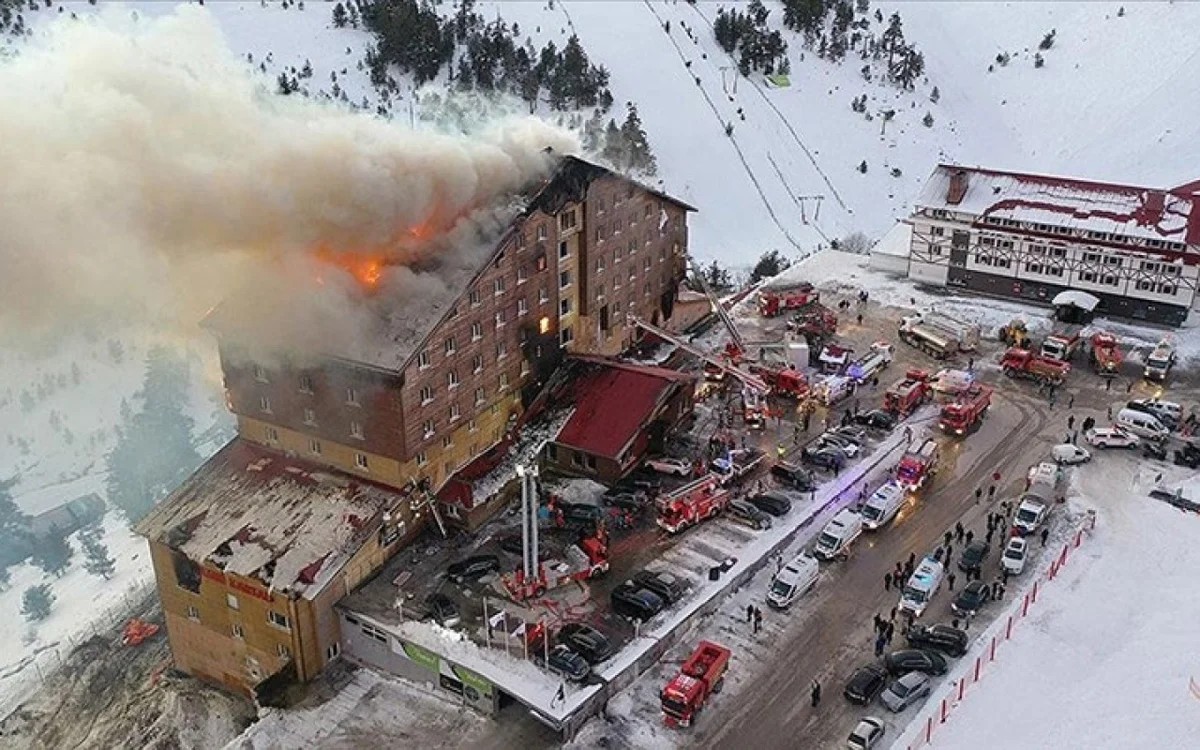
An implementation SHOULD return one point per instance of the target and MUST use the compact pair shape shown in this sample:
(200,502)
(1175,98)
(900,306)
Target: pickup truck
(737,464)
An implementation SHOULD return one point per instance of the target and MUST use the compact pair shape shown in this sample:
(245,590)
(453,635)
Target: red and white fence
(941,705)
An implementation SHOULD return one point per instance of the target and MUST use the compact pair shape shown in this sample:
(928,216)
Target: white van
(1142,424)
(922,586)
(792,581)
(882,506)
(1030,514)
(833,389)
(838,535)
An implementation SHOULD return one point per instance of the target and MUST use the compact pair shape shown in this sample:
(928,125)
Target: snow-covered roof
(897,242)
(256,513)
(1077,298)
(1121,210)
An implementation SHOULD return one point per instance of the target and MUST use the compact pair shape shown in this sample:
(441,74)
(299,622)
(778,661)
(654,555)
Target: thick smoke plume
(148,173)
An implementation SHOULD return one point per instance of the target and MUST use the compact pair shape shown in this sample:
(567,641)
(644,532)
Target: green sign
(421,656)
(473,680)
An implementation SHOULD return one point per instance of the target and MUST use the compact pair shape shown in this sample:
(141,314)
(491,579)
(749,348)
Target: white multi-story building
(1031,237)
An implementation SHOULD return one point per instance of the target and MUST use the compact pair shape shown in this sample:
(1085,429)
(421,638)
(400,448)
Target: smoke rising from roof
(148,173)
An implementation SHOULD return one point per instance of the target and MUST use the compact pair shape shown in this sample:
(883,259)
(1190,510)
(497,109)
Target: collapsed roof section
(258,514)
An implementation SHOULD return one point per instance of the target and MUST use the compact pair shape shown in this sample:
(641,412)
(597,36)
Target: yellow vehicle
(1015,334)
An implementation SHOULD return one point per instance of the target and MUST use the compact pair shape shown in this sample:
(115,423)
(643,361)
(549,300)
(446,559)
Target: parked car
(747,514)
(443,610)
(675,466)
(775,503)
(625,501)
(1110,437)
(1188,455)
(971,599)
(905,691)
(866,734)
(1013,558)
(1069,454)
(943,638)
(876,419)
(1153,450)
(914,660)
(865,684)
(973,556)
(1167,412)
(841,442)
(630,600)
(669,587)
(793,475)
(851,432)
(473,568)
(564,661)
(513,545)
(580,514)
(824,457)
(586,641)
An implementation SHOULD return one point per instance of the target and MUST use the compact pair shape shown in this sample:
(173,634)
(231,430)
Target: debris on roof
(1107,209)
(264,515)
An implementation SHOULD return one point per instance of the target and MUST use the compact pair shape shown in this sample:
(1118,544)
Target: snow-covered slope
(1112,102)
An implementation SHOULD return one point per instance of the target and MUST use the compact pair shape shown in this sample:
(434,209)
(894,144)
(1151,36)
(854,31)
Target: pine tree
(717,278)
(1048,40)
(16,539)
(97,561)
(935,95)
(614,151)
(36,602)
(53,552)
(641,158)
(862,166)
(863,6)
(154,451)
(892,38)
(927,120)
(283,85)
(1038,60)
(339,16)
(770,264)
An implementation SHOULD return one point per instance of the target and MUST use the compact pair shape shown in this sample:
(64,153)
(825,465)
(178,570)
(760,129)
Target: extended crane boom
(722,313)
(749,379)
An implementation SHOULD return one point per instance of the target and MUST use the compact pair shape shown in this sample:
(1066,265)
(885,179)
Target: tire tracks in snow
(733,141)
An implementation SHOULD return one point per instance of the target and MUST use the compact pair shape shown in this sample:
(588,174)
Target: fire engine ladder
(751,380)
(722,313)
(423,498)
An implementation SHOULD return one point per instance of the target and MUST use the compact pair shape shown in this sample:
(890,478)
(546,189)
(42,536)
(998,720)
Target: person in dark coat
(815,693)
(950,581)
(887,581)
(978,494)
(1045,536)
(970,536)
(912,560)
(946,539)
(749,613)
(880,642)
(958,531)
(891,631)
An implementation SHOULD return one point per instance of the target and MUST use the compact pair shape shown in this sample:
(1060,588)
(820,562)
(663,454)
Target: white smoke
(148,172)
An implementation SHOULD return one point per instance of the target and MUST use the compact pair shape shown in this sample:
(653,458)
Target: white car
(1069,454)
(845,444)
(1110,437)
(677,466)
(1013,559)
(866,735)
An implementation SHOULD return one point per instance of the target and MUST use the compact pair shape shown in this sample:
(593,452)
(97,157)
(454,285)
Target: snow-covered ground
(1108,657)
(1105,105)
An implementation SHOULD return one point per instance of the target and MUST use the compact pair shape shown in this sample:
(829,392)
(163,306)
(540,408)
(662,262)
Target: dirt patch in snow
(107,694)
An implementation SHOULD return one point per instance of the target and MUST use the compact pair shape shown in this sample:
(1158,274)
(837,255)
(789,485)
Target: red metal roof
(612,404)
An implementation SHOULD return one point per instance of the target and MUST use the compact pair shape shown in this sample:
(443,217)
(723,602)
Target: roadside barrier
(941,705)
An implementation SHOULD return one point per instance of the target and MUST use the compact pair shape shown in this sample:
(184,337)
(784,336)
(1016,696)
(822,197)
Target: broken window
(187,573)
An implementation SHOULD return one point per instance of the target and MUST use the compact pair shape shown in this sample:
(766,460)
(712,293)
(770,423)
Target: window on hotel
(452,379)
(564,250)
(426,394)
(306,384)
(455,412)
(314,447)
(522,306)
(356,430)
(477,363)
(427,428)
(238,632)
(264,403)
(278,619)
(541,231)
(423,359)
(498,286)
(566,220)
(272,435)
(564,279)
(360,460)
(260,374)
(450,346)
(310,418)
(352,397)
(422,459)
(232,601)
(476,331)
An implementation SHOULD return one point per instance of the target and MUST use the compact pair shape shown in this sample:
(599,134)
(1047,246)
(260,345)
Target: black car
(1151,449)
(943,638)
(974,555)
(775,503)
(1188,455)
(793,474)
(586,641)
(569,664)
(971,599)
(825,457)
(580,514)
(669,587)
(443,610)
(915,660)
(740,511)
(866,683)
(637,603)
(876,419)
(515,546)
(856,434)
(473,568)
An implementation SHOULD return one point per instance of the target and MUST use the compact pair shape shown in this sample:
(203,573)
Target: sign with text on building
(251,589)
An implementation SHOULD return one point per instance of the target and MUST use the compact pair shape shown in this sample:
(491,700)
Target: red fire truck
(906,395)
(1019,363)
(772,304)
(1106,354)
(584,560)
(915,469)
(786,382)
(964,414)
(691,504)
(702,675)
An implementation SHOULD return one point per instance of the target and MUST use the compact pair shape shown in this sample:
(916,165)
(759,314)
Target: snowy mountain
(1105,104)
